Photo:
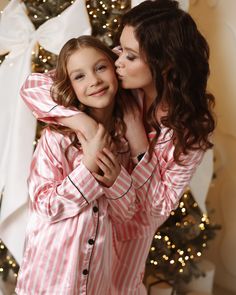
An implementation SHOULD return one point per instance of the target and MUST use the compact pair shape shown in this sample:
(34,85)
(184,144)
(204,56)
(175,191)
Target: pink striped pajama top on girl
(69,236)
(159,183)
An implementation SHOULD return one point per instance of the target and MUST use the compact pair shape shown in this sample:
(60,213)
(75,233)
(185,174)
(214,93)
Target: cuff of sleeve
(144,169)
(84,182)
(120,187)
(52,112)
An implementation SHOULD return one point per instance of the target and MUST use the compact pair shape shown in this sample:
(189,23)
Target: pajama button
(85,272)
(91,241)
(95,209)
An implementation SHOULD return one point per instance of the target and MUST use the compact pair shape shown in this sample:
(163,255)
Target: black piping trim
(112,199)
(77,189)
(52,108)
(144,182)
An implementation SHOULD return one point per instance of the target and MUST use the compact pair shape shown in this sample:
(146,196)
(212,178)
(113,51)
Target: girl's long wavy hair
(63,93)
(177,55)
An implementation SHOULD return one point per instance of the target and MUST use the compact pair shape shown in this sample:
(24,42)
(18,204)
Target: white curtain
(17,125)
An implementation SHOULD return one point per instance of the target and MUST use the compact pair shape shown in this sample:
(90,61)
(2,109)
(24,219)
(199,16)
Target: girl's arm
(36,94)
(115,180)
(55,194)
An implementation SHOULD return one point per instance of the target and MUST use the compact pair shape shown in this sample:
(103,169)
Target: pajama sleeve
(160,181)
(121,197)
(36,94)
(56,196)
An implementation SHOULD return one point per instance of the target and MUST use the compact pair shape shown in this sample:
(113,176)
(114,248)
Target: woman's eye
(130,57)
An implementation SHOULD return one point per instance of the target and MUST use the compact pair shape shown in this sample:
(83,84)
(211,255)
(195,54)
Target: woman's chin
(127,85)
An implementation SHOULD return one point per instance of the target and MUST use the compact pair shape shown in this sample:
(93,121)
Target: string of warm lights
(180,241)
(105,17)
(7,262)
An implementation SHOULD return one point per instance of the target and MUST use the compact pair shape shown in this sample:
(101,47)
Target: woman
(165,57)
(164,39)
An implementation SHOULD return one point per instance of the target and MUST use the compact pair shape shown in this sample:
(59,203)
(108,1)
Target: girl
(165,57)
(69,236)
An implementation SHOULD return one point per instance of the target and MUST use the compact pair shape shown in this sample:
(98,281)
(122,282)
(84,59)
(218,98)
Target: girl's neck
(103,117)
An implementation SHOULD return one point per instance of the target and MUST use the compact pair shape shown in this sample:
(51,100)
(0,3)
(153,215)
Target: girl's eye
(79,77)
(101,68)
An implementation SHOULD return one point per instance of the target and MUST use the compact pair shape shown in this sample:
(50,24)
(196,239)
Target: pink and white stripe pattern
(69,236)
(36,94)
(159,183)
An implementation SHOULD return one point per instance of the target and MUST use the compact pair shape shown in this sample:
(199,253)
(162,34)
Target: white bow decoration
(17,125)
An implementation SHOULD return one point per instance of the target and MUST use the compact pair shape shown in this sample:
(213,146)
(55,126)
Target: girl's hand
(117,50)
(92,146)
(109,165)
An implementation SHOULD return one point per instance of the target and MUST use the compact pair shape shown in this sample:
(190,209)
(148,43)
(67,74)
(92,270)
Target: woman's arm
(36,94)
(160,181)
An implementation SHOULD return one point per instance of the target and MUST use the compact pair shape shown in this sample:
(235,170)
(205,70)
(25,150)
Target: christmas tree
(179,242)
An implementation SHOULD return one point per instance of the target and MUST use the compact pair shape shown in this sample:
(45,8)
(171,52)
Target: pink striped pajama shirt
(69,236)
(159,183)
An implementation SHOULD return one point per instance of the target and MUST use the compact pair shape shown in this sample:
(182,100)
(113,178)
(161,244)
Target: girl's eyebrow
(74,71)
(101,59)
(80,70)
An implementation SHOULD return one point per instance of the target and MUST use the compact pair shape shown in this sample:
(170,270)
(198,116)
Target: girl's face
(93,78)
(132,69)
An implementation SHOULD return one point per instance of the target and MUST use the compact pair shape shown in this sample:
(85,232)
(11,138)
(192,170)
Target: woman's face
(132,69)
(93,78)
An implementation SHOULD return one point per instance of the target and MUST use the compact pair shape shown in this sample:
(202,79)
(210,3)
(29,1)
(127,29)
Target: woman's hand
(81,123)
(109,165)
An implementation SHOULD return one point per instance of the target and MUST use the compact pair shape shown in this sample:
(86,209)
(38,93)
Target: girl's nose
(95,80)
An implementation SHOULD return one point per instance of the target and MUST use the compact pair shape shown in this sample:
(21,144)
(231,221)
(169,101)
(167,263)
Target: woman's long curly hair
(177,55)
(63,93)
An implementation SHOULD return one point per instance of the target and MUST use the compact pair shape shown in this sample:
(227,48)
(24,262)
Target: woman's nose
(119,63)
